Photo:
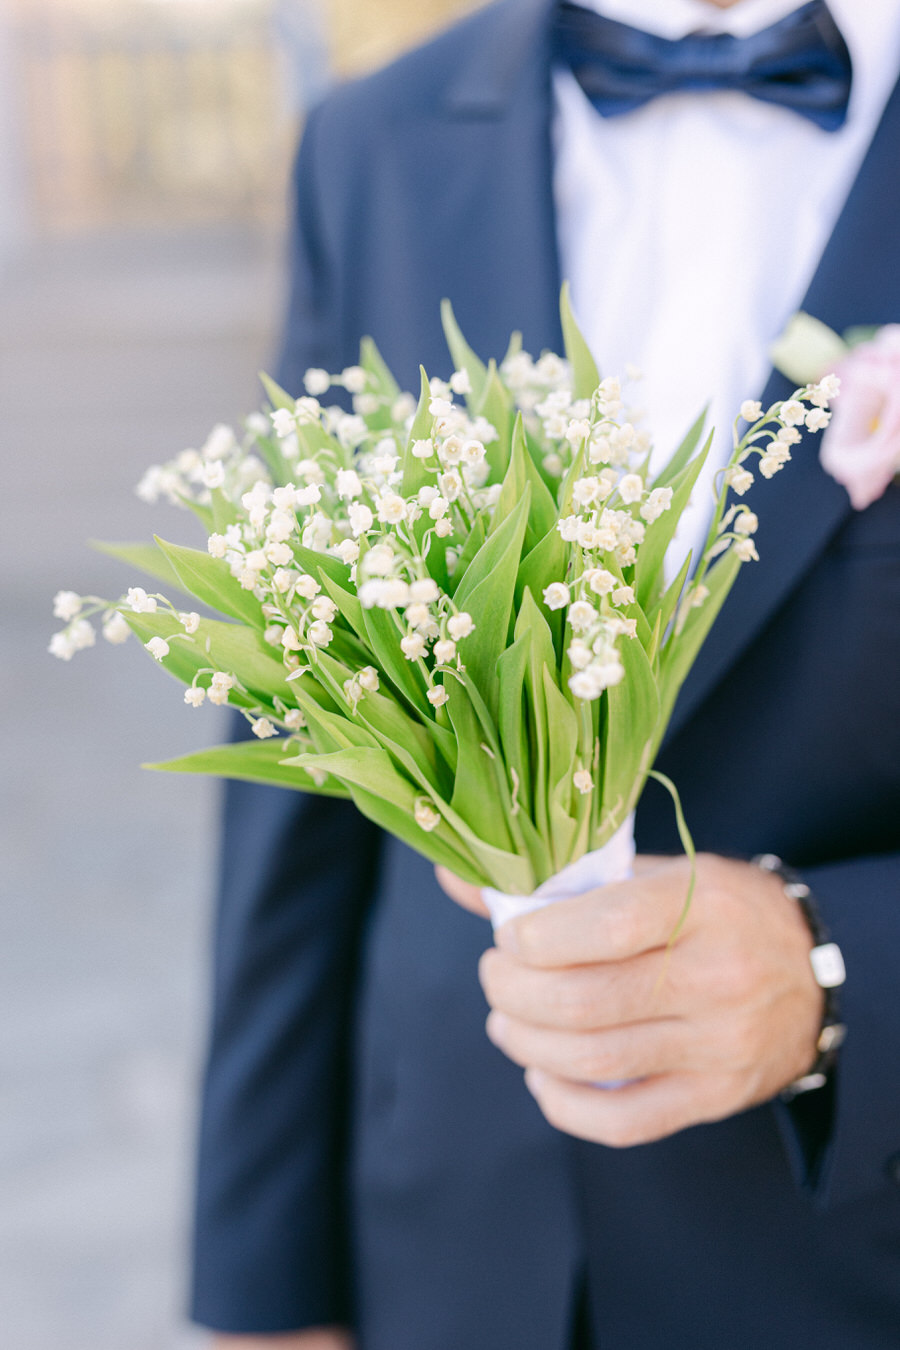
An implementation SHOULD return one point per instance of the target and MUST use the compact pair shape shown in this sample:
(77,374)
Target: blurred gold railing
(183,111)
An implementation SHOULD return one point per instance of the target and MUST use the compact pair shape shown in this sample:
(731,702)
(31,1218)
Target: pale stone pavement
(113,354)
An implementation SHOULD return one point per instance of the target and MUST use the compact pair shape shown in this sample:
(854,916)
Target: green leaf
(532,627)
(497,406)
(383,638)
(463,356)
(223,646)
(252,762)
(633,715)
(210,580)
(389,799)
(224,512)
(807,349)
(547,562)
(321,565)
(585,375)
(415,475)
(487,592)
(475,796)
(562,727)
(511,674)
(522,470)
(146,558)
(678,461)
(474,541)
(651,555)
(374,364)
(683,648)
(278,397)
(660,615)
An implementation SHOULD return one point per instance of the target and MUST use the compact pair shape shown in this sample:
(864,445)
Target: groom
(368,1159)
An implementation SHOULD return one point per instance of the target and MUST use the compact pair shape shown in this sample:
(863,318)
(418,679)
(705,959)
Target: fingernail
(507,938)
(495,1026)
(534,1081)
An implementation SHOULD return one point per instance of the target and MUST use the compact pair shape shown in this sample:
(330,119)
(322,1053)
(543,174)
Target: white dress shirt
(690,228)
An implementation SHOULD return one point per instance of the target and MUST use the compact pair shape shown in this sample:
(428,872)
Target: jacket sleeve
(844,1140)
(296,876)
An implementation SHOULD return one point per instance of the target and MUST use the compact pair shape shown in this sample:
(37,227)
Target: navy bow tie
(801,63)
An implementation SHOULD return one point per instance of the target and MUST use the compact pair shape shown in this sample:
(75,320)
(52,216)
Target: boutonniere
(861,446)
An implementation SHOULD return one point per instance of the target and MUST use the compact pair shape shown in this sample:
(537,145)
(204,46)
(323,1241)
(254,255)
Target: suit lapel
(857,282)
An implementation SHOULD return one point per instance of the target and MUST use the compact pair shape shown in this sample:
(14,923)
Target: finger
(636,1114)
(463,892)
(638,1050)
(586,998)
(607,924)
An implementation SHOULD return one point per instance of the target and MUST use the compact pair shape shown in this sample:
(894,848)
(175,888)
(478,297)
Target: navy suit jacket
(365,1153)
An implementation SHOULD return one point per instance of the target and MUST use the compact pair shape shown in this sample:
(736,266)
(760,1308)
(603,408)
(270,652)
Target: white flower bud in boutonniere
(739,479)
(623,595)
(751,410)
(273,634)
(443,527)
(263,728)
(425,815)
(745,549)
(394,593)
(309,495)
(581,616)
(444,651)
(317,382)
(817,419)
(557,595)
(413,646)
(460,625)
(290,640)
(450,484)
(577,431)
(746,523)
(217,546)
(472,452)
(770,464)
(115,628)
(793,413)
(568,528)
(294,719)
(600,581)
(437,696)
(422,449)
(283,579)
(583,781)
(157,647)
(190,622)
(417,615)
(368,679)
(194,695)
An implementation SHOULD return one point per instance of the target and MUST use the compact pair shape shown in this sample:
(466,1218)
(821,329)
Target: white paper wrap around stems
(613,862)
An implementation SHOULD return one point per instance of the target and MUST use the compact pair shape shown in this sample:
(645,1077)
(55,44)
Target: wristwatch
(828,969)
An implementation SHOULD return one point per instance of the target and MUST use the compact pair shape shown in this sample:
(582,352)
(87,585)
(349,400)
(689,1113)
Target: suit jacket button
(892,1167)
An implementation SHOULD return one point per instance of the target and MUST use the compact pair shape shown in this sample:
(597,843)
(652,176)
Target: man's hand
(591,989)
(319,1338)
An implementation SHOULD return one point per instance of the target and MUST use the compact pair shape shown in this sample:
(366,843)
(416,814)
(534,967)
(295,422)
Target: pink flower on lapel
(861,447)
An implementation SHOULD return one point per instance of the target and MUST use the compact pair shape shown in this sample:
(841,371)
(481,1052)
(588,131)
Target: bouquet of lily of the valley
(453,611)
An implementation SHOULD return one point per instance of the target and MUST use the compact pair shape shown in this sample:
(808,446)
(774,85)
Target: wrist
(827,965)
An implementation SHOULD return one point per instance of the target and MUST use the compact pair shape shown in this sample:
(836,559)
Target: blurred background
(144,152)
